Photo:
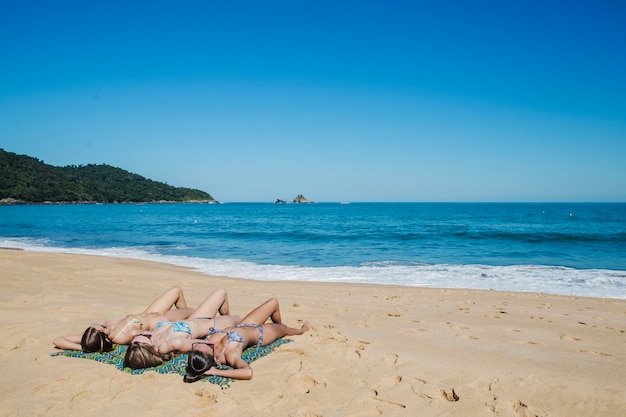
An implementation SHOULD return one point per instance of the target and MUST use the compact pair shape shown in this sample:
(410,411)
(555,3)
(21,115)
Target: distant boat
(344,202)
(280,201)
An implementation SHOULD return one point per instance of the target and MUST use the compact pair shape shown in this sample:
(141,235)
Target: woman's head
(199,360)
(95,339)
(142,354)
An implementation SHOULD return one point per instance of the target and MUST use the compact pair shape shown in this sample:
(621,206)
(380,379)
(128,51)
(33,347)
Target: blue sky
(352,100)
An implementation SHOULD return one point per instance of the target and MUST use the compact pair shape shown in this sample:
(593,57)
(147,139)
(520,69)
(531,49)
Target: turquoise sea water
(562,248)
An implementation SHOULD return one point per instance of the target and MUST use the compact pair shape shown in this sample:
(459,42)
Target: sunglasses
(193,345)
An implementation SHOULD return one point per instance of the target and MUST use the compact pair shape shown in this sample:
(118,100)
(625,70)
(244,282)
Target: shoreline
(373,348)
(197,264)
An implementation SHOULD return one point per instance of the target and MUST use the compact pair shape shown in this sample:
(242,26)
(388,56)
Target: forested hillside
(24,179)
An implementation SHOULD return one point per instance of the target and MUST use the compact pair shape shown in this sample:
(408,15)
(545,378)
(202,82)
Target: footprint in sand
(416,330)
(304,383)
(521,409)
(415,380)
(390,359)
(506,407)
(331,337)
(419,387)
(80,395)
(387,383)
(382,387)
(465,310)
(360,348)
(388,402)
(450,395)
(206,398)
(572,338)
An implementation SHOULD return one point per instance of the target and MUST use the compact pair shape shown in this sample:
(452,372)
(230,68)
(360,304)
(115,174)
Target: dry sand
(373,350)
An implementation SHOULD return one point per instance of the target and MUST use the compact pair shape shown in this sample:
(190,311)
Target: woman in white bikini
(121,330)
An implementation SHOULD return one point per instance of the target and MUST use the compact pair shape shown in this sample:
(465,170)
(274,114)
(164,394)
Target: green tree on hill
(27,179)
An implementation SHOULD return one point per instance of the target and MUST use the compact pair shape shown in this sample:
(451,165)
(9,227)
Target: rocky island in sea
(300,199)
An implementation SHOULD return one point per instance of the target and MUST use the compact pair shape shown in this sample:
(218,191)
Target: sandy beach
(372,350)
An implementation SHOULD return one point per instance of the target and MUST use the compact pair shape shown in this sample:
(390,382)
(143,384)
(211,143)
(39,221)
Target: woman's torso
(234,338)
(123,329)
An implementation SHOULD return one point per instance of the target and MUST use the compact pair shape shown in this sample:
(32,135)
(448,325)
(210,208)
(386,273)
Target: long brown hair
(95,340)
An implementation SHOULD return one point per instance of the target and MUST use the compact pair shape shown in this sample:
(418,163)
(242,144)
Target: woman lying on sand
(150,349)
(224,347)
(121,330)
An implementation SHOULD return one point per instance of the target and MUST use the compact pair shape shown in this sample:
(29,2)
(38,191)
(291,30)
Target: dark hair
(142,355)
(95,340)
(197,364)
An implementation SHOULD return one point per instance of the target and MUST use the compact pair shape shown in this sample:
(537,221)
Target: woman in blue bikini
(224,347)
(152,348)
(121,330)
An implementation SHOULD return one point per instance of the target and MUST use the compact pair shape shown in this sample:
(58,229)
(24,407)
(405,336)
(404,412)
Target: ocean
(558,248)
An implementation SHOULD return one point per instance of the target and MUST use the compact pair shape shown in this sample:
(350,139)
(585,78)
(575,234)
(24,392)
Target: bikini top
(233,336)
(177,326)
(132,320)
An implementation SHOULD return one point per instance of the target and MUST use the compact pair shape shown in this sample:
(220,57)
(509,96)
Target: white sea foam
(526,278)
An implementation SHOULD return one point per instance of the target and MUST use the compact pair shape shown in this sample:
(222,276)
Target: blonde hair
(142,355)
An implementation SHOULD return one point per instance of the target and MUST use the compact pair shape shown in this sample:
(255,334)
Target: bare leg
(214,303)
(268,310)
(178,314)
(173,297)
(273,331)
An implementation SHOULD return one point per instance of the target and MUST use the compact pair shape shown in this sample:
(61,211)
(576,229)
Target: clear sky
(336,100)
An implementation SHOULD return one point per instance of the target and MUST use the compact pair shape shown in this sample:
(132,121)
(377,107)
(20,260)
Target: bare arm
(68,342)
(241,370)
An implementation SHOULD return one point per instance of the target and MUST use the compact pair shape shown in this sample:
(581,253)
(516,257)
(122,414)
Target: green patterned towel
(177,365)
